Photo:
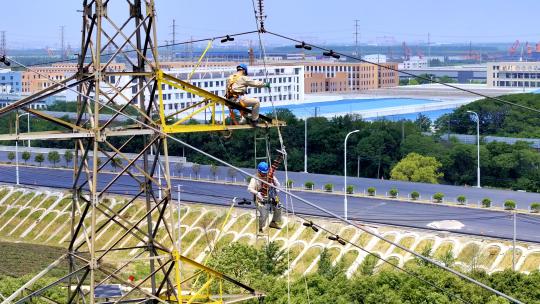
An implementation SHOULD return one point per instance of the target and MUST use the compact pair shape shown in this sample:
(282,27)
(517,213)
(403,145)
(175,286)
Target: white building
(287,85)
(513,74)
(377,58)
(415,62)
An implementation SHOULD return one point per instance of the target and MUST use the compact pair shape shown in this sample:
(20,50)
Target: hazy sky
(35,23)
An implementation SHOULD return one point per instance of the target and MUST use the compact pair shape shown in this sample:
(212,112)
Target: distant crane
(513,48)
(49,51)
(406,51)
(528,49)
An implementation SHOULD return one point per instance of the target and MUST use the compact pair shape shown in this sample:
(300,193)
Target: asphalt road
(474,195)
(390,212)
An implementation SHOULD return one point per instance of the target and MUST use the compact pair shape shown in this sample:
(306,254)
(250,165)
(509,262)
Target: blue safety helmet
(263,167)
(242,66)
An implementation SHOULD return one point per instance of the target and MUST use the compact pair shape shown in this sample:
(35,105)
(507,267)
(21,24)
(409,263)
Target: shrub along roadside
(509,205)
(438,197)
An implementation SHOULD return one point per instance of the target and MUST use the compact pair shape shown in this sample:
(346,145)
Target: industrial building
(287,84)
(459,73)
(513,74)
(10,82)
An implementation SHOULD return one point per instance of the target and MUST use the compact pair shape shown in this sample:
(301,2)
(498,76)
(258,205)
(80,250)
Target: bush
(350,189)
(328,187)
(438,197)
(509,205)
(461,199)
(393,192)
(26,156)
(535,207)
(309,185)
(11,156)
(290,183)
(415,195)
(486,202)
(371,191)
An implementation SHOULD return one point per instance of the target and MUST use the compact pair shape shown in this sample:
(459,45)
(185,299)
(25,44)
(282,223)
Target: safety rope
(282,148)
(285,190)
(200,60)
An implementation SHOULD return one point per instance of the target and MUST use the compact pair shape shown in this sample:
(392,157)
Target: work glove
(267,85)
(260,197)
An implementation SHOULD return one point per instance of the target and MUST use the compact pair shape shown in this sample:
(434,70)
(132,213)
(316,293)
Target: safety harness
(234,96)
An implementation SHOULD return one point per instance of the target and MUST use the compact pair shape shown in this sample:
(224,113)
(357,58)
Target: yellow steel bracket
(181,121)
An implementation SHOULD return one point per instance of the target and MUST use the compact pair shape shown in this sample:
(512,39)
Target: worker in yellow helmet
(237,85)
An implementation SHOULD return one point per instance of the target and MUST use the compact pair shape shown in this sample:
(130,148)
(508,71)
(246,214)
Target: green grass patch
(506,262)
(382,246)
(387,267)
(364,239)
(37,200)
(49,201)
(423,244)
(13,197)
(41,225)
(469,252)
(307,234)
(3,192)
(348,258)
(532,262)
(35,257)
(192,216)
(16,220)
(443,248)
(405,242)
(241,222)
(25,199)
(307,259)
(64,203)
(489,255)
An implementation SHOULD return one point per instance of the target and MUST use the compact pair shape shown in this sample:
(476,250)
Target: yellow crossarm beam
(211,102)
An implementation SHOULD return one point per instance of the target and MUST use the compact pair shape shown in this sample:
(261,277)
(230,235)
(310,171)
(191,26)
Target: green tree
(26,156)
(68,157)
(417,168)
(214,170)
(39,158)
(11,156)
(196,169)
(53,157)
(423,122)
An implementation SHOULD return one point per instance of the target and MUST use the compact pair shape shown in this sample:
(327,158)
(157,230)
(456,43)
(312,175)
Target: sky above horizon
(36,24)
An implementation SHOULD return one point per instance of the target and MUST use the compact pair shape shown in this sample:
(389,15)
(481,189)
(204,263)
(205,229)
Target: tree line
(380,145)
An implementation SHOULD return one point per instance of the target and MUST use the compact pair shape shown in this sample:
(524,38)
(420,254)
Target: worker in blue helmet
(237,86)
(266,198)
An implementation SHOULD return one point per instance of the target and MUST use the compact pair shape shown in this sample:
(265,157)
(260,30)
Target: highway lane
(418,215)
(473,194)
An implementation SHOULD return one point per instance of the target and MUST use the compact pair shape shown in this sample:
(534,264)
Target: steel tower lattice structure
(100,140)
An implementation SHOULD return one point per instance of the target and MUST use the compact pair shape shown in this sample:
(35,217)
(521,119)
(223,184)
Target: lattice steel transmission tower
(100,140)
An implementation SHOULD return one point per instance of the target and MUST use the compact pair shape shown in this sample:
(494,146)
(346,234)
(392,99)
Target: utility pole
(429,48)
(173,34)
(3,47)
(62,45)
(356,33)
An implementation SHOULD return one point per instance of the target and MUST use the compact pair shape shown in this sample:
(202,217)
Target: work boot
(274,225)
(242,121)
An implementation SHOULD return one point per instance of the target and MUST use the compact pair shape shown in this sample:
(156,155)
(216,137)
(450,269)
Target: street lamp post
(305,145)
(345,173)
(478,146)
(17,150)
